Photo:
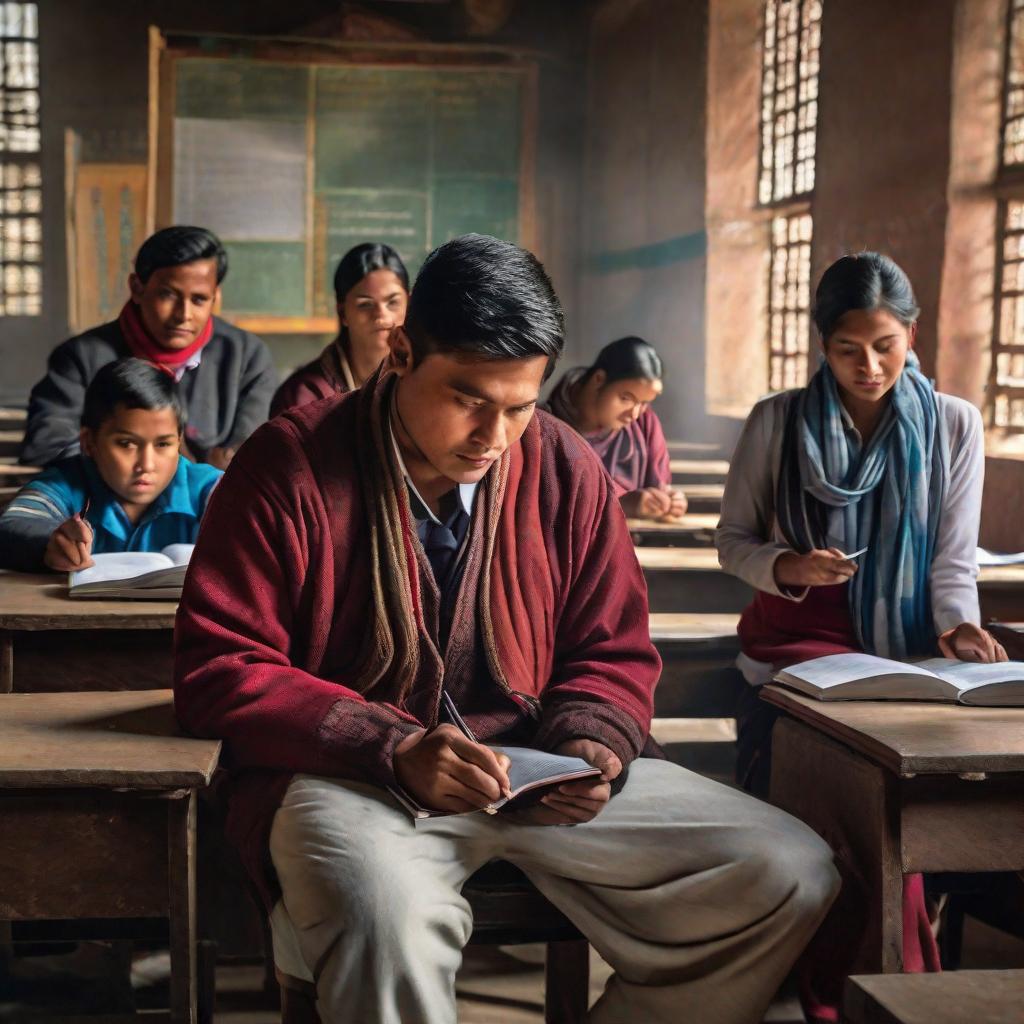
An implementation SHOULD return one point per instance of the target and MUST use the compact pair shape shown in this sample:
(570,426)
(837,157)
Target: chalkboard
(293,164)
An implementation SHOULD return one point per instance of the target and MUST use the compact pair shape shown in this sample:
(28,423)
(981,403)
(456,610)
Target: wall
(643,262)
(94,68)
(884,141)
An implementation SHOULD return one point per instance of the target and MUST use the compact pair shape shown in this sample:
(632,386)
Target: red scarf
(142,345)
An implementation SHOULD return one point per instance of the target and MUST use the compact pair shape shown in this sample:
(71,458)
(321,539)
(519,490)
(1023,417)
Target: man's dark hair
(135,384)
(172,247)
(484,298)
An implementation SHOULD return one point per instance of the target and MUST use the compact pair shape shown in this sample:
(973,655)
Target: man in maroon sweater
(430,539)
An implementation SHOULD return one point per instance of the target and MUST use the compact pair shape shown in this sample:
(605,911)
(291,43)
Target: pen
(855,554)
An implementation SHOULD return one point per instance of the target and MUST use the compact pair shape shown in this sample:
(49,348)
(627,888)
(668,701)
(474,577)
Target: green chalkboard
(265,277)
(408,155)
(239,89)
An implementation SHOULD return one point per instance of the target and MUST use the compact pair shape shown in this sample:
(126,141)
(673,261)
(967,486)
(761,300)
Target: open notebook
(134,574)
(867,677)
(531,771)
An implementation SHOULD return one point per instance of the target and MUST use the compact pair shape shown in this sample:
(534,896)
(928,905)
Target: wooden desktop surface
(34,601)
(914,737)
(125,739)
(692,521)
(678,626)
(681,559)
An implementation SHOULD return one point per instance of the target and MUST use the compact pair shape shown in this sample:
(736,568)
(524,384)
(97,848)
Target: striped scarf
(890,493)
(398,642)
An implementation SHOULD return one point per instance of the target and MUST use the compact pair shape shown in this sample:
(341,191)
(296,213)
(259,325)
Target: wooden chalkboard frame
(167,48)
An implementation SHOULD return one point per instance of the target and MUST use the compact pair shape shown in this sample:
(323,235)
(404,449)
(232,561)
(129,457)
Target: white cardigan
(749,540)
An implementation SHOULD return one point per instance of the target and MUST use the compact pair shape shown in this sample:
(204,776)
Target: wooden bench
(955,997)
(98,820)
(691,580)
(704,498)
(698,471)
(692,530)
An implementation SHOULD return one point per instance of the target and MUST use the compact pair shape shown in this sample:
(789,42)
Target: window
(20,172)
(789,301)
(1004,404)
(789,128)
(789,98)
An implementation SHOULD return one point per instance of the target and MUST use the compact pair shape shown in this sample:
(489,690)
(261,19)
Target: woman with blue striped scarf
(867,458)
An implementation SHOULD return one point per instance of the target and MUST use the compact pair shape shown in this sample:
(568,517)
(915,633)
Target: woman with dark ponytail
(867,456)
(371,287)
(609,403)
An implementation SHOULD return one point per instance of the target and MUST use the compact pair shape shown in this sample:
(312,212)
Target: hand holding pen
(818,568)
(70,545)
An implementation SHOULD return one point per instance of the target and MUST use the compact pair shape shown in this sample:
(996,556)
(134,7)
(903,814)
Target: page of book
(967,675)
(179,554)
(858,676)
(120,565)
(531,767)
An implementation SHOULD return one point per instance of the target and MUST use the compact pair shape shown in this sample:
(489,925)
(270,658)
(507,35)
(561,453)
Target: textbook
(134,574)
(867,677)
(530,771)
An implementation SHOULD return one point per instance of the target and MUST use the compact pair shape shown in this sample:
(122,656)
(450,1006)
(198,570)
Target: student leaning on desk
(129,489)
(867,460)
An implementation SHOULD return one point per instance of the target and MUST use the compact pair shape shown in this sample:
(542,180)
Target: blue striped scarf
(890,494)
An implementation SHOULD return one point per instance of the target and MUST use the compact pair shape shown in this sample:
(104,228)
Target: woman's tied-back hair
(629,358)
(864,280)
(364,259)
(481,297)
(135,384)
(173,247)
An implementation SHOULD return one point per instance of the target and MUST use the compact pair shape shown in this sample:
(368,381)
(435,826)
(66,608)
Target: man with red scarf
(226,377)
(381,568)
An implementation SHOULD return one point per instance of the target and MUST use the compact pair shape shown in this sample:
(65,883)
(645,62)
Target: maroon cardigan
(321,378)
(276,605)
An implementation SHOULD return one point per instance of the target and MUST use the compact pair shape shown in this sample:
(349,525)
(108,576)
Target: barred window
(789,301)
(20,171)
(789,98)
(1012,149)
(1005,406)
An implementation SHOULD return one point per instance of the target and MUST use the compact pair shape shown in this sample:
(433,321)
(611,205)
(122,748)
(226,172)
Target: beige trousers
(699,896)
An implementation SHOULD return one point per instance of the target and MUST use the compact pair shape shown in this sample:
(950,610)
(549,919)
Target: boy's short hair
(135,384)
(483,297)
(175,246)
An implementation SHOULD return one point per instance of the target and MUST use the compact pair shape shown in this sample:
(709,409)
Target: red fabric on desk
(782,633)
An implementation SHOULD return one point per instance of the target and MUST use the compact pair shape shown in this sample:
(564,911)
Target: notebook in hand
(134,574)
(867,677)
(531,771)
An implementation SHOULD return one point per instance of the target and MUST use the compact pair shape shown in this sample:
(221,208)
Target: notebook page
(179,554)
(530,767)
(120,565)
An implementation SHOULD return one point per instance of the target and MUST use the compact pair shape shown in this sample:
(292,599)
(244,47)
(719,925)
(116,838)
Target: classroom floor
(493,987)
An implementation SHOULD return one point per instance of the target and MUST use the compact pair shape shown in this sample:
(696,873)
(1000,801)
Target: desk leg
(6,661)
(181,864)
(853,805)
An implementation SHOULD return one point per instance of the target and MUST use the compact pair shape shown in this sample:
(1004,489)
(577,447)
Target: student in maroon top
(371,286)
(609,403)
(431,535)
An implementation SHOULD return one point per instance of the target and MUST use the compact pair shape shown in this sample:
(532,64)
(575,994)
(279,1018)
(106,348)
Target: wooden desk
(955,997)
(98,817)
(901,787)
(691,580)
(698,471)
(692,530)
(65,644)
(704,497)
(698,677)
(1001,592)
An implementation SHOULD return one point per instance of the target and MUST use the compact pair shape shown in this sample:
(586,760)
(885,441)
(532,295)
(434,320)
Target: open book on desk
(867,677)
(530,771)
(134,574)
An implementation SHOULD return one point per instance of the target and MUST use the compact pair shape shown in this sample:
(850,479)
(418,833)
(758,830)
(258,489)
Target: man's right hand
(444,771)
(818,568)
(70,546)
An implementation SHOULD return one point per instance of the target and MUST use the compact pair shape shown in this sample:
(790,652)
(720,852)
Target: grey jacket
(227,395)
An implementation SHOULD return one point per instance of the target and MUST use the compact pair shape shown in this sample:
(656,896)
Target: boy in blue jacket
(128,490)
